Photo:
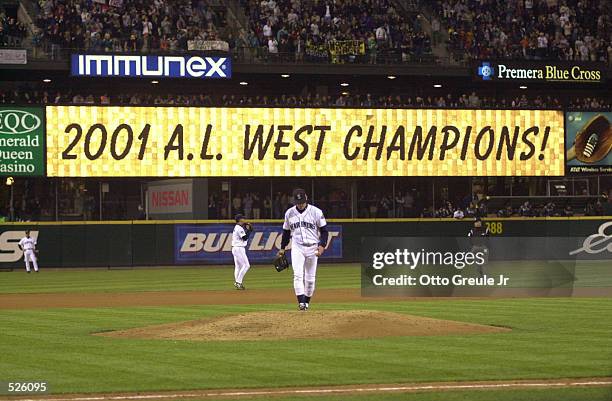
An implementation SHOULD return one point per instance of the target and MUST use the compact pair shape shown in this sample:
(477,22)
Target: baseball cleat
(306,306)
(302,306)
(239,286)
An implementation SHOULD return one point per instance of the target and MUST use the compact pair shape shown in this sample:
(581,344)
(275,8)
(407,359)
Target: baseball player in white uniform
(240,236)
(305,225)
(28,245)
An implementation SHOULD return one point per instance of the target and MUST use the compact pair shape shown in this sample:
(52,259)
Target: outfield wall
(166,243)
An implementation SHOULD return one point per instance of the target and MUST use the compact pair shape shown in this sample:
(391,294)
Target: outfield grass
(221,278)
(550,338)
(168,279)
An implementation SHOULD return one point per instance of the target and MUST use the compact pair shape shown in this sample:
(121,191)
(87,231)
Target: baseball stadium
(320,200)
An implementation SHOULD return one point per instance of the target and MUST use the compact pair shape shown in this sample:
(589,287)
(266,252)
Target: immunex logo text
(103,65)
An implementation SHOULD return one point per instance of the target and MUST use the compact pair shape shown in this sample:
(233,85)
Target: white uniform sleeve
(321,220)
(286,225)
(21,242)
(241,232)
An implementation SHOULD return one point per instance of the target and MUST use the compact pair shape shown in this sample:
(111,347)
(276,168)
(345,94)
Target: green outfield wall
(157,243)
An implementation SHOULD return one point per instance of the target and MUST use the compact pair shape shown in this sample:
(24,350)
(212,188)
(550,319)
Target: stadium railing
(254,55)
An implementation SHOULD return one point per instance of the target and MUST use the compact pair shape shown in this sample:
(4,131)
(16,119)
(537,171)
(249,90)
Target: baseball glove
(593,141)
(280,263)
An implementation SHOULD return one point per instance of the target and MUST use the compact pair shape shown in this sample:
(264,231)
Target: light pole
(9,182)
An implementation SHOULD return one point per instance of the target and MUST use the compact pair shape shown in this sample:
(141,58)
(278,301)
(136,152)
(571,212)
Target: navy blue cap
(239,217)
(299,195)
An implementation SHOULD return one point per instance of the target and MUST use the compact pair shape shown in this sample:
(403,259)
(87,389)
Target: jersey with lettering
(28,243)
(237,236)
(479,232)
(304,226)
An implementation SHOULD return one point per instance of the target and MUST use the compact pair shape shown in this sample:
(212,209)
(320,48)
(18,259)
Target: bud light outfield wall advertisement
(588,142)
(212,243)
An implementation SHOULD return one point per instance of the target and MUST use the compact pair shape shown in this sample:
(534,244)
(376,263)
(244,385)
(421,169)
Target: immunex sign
(133,66)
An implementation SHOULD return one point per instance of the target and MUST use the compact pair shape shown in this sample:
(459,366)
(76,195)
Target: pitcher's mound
(304,325)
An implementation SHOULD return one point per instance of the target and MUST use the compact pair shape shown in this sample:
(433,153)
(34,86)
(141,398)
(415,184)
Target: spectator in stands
(526,210)
(127,26)
(309,27)
(12,32)
(458,214)
(549,209)
(27,95)
(565,30)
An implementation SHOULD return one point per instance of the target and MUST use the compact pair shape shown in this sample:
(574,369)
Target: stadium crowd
(579,30)
(409,203)
(372,31)
(298,30)
(12,32)
(430,100)
(126,25)
(34,203)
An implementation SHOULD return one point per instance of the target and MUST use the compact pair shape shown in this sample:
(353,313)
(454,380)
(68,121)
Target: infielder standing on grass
(28,245)
(306,226)
(240,236)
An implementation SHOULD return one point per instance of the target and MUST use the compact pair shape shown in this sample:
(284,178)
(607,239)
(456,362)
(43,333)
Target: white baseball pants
(29,255)
(241,263)
(304,264)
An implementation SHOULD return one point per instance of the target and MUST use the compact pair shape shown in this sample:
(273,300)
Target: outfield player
(478,235)
(28,245)
(305,225)
(240,236)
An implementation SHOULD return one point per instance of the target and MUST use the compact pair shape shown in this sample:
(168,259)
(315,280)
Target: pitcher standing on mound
(306,226)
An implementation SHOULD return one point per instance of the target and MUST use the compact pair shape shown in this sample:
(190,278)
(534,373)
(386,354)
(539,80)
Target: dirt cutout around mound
(305,325)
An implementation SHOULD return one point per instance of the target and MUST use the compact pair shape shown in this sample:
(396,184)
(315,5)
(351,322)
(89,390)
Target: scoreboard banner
(588,142)
(99,141)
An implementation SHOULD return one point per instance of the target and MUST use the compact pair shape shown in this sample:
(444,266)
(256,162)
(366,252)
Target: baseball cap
(299,195)
(239,217)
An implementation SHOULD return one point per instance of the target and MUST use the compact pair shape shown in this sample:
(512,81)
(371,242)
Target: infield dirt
(304,325)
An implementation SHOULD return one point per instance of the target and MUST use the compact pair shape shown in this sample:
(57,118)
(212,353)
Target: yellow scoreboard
(101,141)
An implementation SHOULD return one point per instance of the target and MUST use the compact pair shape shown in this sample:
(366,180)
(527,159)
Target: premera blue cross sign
(151,66)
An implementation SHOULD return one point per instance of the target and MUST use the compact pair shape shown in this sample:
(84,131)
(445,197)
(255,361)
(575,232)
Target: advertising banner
(22,141)
(538,71)
(207,45)
(169,197)
(137,66)
(588,142)
(100,141)
(212,243)
(13,56)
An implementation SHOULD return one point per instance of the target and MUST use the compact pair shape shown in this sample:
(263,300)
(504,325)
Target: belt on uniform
(308,244)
